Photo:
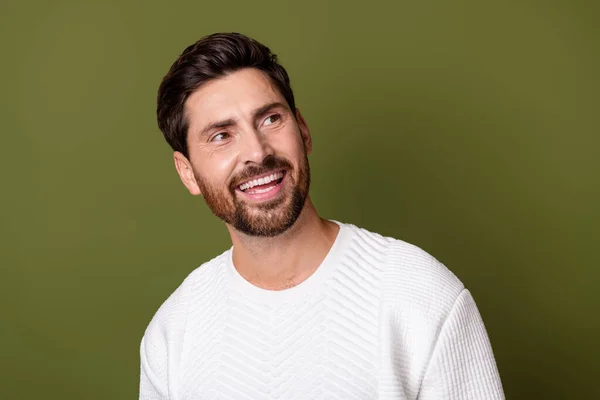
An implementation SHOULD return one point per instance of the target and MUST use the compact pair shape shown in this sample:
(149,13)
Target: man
(300,307)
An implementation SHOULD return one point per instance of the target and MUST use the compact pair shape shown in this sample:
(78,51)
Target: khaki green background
(469,128)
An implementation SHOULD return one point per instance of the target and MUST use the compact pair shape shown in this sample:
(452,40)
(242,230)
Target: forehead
(232,96)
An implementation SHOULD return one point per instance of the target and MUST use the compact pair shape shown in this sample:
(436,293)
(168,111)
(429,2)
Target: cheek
(219,167)
(291,145)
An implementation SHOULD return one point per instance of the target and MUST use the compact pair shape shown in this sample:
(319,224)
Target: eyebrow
(256,114)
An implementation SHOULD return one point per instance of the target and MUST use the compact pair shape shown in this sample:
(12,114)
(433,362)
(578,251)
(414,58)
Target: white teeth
(261,181)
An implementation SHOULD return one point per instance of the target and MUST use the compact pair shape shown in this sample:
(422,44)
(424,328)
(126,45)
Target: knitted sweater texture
(379,319)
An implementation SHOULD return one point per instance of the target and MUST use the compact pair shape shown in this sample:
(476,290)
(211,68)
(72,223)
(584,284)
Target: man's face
(247,153)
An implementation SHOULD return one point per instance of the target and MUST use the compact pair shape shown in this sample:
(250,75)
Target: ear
(304,131)
(186,173)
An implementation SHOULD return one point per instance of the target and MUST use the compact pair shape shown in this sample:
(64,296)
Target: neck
(286,260)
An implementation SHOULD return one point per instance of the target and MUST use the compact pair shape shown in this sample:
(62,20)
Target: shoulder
(411,279)
(413,274)
(171,315)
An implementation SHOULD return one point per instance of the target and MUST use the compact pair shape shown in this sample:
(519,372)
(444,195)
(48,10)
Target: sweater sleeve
(462,364)
(160,349)
(153,379)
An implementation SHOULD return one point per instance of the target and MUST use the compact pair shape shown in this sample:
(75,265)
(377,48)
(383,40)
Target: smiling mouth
(262,184)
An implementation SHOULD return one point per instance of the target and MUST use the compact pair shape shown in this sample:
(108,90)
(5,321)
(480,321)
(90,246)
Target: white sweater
(379,319)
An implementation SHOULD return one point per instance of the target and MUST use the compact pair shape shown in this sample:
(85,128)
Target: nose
(255,147)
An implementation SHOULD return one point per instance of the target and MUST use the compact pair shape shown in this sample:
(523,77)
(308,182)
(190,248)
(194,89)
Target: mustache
(269,164)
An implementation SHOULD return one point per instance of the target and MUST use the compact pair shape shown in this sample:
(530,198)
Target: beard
(267,219)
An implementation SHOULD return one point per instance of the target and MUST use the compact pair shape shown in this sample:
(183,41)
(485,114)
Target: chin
(269,223)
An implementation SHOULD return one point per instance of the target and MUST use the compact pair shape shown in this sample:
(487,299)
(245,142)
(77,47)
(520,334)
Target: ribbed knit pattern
(379,319)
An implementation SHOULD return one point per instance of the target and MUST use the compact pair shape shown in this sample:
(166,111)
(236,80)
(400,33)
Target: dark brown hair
(209,58)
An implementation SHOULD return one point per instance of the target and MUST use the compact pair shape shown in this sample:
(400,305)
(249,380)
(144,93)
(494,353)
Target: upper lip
(259,176)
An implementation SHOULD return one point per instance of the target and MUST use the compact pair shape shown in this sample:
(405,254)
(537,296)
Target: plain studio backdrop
(468,128)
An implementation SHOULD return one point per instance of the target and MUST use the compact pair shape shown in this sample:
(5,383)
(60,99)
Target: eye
(219,137)
(272,118)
